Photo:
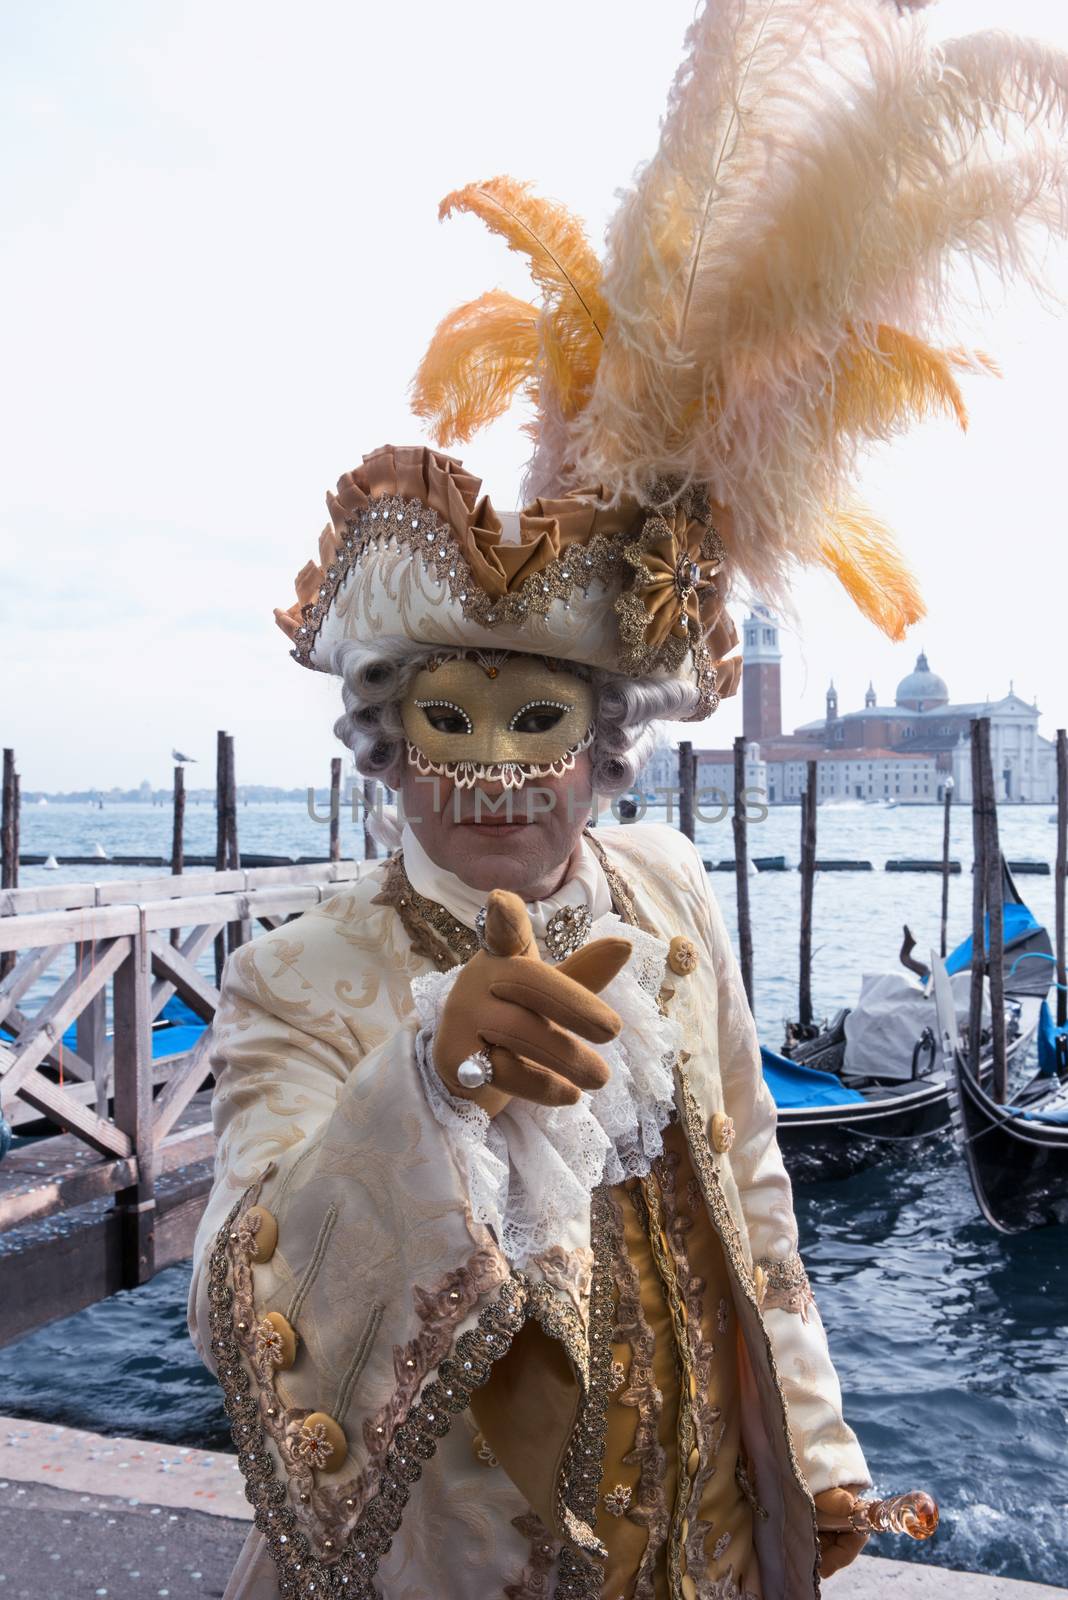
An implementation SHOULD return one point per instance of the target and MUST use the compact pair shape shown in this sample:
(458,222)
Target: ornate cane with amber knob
(914,1514)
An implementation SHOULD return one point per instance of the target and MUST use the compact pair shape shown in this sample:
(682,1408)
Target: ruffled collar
(586,885)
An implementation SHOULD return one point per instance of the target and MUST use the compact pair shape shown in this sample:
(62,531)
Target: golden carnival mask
(491,716)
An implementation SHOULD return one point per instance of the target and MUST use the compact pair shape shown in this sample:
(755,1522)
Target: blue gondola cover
(795,1087)
(1019,923)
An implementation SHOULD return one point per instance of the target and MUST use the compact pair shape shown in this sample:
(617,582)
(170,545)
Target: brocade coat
(382,1321)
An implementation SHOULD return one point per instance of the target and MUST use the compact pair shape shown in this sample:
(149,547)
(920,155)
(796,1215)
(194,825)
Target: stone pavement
(83,1516)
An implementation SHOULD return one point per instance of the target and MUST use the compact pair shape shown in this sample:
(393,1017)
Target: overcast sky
(220,264)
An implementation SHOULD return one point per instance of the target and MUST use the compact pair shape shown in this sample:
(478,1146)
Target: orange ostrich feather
(480,357)
(566,271)
(891,377)
(864,557)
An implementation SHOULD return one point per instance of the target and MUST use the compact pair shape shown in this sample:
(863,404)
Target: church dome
(922,689)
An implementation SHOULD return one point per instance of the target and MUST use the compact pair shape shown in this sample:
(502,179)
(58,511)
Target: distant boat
(100,853)
(41,801)
(51,865)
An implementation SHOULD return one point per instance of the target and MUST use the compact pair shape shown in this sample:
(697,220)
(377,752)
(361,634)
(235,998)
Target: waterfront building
(902,753)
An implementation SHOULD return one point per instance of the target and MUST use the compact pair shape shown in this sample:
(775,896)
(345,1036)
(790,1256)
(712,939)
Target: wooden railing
(120,1119)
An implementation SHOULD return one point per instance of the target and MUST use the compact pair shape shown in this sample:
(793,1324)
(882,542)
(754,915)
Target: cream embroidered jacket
(348,1342)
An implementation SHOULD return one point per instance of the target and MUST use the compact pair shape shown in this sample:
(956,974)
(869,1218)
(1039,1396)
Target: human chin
(514,859)
(494,853)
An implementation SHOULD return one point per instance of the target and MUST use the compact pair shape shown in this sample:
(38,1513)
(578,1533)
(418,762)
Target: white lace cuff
(531,1169)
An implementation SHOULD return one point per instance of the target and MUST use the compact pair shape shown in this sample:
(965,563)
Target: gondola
(832,1122)
(1016,1154)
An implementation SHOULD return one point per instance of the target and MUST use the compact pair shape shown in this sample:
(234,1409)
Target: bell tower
(761,685)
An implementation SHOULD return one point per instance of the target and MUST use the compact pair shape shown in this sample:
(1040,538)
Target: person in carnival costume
(499,1274)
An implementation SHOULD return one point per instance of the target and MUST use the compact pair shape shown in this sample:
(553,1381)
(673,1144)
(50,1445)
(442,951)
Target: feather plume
(888,378)
(480,357)
(865,559)
(778,277)
(564,268)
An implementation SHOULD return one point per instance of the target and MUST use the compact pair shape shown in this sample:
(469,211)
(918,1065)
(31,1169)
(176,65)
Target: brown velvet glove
(839,1544)
(530,1018)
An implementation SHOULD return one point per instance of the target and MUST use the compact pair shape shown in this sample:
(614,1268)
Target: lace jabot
(531,1169)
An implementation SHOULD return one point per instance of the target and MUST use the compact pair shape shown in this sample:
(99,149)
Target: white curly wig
(375,679)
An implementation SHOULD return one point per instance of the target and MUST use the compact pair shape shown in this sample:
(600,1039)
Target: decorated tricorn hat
(414,549)
(773,298)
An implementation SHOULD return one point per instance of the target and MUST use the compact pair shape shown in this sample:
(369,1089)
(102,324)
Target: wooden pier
(114,1189)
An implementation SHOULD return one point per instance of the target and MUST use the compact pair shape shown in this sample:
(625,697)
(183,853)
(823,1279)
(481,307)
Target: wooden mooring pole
(687,774)
(995,894)
(178,829)
(1061,874)
(136,1205)
(809,803)
(236,932)
(979,881)
(220,841)
(335,808)
(741,870)
(178,836)
(9,840)
(946,809)
(227,856)
(370,849)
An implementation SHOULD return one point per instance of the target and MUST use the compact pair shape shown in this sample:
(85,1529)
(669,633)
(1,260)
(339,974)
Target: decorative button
(693,1387)
(321,1442)
(760,1284)
(258,1234)
(694,1462)
(682,956)
(689,1588)
(722,1132)
(276,1342)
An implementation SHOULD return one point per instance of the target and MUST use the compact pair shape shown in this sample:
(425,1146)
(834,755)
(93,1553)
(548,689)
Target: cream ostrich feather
(813,185)
(779,283)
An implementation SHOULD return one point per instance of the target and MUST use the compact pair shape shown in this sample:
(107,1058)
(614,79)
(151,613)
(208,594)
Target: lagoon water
(951,1341)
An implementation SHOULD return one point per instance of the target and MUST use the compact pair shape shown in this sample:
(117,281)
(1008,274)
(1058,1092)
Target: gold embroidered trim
(561,1321)
(720,1212)
(622,897)
(709,1427)
(745,1484)
(533,1581)
(725,1588)
(567,1270)
(581,1568)
(650,1509)
(788,1288)
(452,942)
(415,526)
(300,1570)
(647,1201)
